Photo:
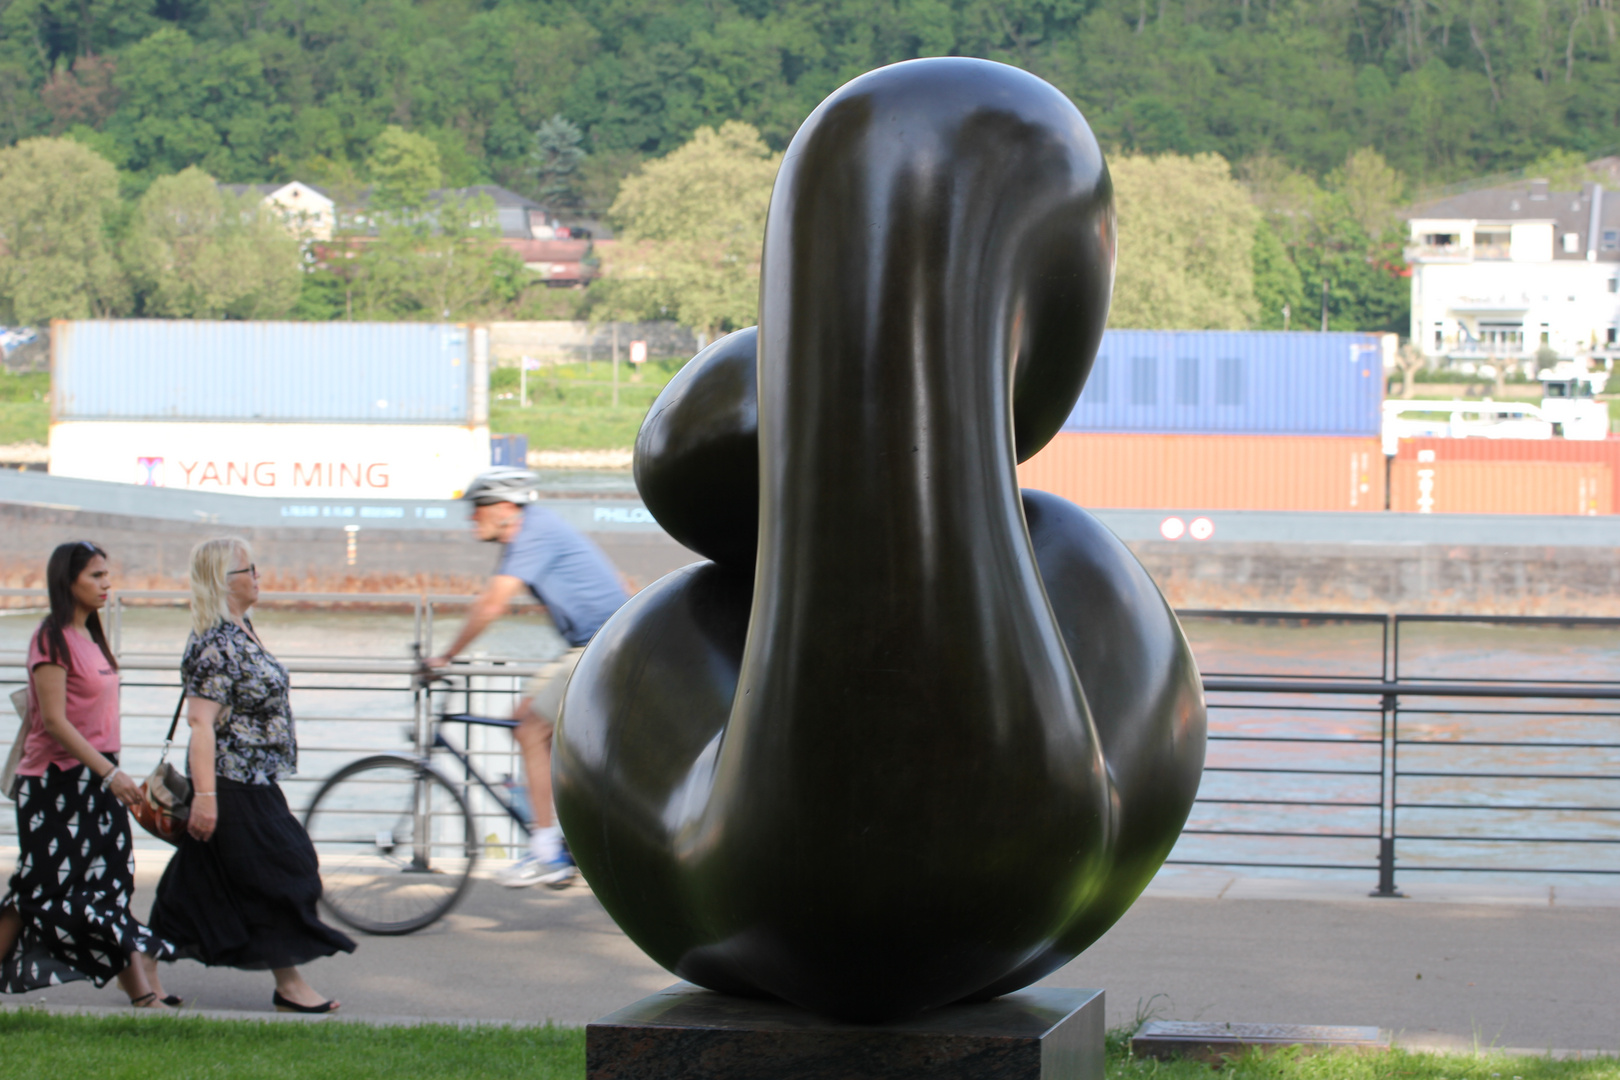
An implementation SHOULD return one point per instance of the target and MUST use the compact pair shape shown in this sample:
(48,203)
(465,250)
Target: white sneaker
(531,870)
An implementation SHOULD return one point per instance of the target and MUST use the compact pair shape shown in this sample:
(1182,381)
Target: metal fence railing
(1340,744)
(344,706)
(1410,744)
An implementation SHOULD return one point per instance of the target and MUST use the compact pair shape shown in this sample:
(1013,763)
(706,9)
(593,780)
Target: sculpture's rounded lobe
(697,453)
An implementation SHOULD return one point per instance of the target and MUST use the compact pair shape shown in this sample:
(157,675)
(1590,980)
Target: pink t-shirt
(92,705)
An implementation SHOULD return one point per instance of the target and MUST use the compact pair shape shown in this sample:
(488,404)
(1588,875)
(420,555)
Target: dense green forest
(254,90)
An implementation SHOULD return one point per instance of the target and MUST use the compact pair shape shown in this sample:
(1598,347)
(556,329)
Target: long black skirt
(246,897)
(72,886)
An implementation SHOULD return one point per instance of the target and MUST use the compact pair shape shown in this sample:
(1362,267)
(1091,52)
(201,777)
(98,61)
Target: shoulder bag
(8,775)
(165,804)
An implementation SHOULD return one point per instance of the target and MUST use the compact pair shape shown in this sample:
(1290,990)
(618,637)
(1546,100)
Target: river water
(1539,827)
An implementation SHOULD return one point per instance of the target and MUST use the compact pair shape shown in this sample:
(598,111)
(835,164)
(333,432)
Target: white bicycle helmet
(509,485)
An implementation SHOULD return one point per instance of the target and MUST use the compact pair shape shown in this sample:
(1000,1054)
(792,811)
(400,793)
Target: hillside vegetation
(255,90)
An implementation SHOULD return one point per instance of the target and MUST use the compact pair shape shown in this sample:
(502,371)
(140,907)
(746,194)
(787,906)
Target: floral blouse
(254,741)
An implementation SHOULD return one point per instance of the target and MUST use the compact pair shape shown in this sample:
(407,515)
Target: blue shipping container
(1197,382)
(337,372)
(509,450)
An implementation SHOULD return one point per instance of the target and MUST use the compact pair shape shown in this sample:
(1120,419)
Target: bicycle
(397,840)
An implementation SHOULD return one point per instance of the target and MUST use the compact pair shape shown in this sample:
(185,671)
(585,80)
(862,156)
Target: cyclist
(580,588)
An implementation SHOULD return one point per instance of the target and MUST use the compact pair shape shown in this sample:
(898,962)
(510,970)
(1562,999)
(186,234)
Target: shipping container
(361,461)
(1234,382)
(1606,451)
(509,450)
(1502,487)
(1210,472)
(286,372)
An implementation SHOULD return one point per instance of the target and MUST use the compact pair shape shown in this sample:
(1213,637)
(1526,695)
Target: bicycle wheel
(396,844)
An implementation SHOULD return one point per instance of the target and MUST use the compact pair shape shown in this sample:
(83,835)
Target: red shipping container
(1606,451)
(1210,472)
(1502,487)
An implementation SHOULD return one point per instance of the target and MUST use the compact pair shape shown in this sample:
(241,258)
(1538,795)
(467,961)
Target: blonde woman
(241,890)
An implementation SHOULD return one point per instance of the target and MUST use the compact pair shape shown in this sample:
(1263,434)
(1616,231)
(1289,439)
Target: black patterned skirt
(72,886)
(246,898)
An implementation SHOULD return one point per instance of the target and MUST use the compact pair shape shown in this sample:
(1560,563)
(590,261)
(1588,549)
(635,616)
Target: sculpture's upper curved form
(917,737)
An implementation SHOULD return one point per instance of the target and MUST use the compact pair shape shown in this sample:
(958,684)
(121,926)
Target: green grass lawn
(24,413)
(548,426)
(24,421)
(34,1044)
(570,427)
(1350,1065)
(571,405)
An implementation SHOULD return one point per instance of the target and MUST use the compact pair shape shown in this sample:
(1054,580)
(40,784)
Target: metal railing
(1339,743)
(344,707)
(1413,771)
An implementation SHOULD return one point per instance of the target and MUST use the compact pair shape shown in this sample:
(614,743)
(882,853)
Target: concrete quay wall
(154,553)
(1441,579)
(1300,573)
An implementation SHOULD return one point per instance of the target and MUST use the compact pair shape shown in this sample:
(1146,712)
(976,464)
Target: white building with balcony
(1498,273)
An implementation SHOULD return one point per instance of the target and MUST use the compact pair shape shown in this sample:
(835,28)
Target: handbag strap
(168,740)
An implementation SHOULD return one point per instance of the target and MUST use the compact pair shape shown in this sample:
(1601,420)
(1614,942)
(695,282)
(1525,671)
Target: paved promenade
(1526,968)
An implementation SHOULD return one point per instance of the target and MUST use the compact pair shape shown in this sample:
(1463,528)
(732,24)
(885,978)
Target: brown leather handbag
(165,804)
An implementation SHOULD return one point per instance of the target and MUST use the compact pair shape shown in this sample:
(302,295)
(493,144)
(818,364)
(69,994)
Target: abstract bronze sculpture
(912,737)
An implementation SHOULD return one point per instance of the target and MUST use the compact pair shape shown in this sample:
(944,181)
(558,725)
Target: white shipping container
(357,461)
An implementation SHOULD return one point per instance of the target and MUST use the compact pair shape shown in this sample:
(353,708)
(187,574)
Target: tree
(444,263)
(82,94)
(182,102)
(1409,358)
(404,169)
(1186,244)
(56,201)
(557,157)
(1344,233)
(1372,192)
(1564,170)
(197,252)
(694,224)
(1279,295)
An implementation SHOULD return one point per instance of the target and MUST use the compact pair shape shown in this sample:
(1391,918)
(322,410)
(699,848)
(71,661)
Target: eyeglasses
(248,569)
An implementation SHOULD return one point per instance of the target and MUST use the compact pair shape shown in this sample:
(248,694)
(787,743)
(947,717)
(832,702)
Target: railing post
(1387,799)
(1386,867)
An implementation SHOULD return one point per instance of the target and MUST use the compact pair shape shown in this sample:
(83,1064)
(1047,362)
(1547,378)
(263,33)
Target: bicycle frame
(503,800)
(463,758)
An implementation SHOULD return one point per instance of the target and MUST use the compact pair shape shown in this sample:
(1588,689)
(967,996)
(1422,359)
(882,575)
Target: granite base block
(687,1033)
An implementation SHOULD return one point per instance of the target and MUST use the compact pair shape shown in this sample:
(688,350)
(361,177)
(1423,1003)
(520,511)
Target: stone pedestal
(687,1033)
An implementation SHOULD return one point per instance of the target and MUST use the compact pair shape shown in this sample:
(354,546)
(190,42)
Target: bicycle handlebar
(424,675)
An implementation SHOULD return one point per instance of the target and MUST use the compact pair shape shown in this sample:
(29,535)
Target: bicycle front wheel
(396,844)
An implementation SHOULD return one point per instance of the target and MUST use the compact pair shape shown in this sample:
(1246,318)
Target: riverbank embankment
(1231,559)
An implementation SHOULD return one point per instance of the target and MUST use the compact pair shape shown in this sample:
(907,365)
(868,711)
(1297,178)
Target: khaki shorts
(545,687)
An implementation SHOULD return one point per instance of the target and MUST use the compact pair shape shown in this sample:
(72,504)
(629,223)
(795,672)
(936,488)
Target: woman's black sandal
(147,1000)
(284,1004)
(174,1001)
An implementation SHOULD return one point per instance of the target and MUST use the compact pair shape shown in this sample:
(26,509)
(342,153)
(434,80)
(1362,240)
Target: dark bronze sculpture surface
(912,737)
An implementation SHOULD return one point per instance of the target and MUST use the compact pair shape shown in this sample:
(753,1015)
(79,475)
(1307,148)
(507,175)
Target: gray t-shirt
(566,572)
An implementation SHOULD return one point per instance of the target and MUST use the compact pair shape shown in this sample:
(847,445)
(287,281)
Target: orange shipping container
(1502,487)
(1605,450)
(1210,472)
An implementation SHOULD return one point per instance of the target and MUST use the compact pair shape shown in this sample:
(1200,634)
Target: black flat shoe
(288,1005)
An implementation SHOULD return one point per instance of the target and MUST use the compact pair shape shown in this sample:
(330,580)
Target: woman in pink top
(66,915)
